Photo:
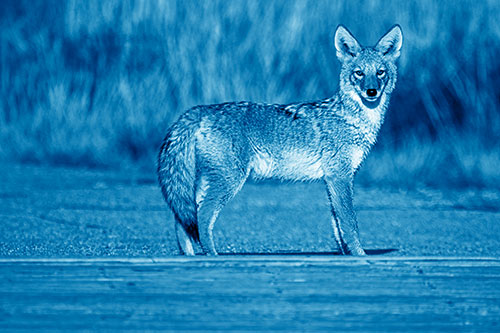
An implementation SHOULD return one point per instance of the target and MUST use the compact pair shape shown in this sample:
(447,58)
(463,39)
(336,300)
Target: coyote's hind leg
(183,240)
(217,191)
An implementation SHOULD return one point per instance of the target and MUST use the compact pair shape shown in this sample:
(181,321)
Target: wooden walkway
(249,293)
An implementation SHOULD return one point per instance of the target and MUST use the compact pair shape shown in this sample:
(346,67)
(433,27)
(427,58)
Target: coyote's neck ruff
(368,119)
(211,150)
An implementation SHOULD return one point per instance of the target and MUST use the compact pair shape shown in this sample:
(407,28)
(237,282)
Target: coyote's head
(368,73)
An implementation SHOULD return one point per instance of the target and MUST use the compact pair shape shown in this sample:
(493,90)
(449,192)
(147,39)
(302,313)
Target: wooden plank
(272,293)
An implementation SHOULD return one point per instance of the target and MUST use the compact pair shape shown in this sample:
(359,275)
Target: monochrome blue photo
(249,165)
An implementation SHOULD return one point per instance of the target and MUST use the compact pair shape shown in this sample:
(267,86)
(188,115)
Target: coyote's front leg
(345,225)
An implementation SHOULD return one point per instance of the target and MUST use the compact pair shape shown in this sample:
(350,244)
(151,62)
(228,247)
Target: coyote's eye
(359,74)
(380,73)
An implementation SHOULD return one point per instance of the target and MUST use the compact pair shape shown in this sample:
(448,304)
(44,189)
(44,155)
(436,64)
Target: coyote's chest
(293,164)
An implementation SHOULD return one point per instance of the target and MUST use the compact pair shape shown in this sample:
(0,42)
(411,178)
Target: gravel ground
(60,212)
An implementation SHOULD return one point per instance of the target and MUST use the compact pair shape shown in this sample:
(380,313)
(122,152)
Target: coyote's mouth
(371,102)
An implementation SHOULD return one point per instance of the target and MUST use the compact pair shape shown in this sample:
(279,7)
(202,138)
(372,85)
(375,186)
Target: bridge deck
(248,293)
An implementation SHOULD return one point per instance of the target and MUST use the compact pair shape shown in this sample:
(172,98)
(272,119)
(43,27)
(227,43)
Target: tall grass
(97,82)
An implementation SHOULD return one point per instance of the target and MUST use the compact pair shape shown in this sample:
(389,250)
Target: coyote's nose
(371,92)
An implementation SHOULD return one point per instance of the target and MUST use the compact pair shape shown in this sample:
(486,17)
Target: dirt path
(54,212)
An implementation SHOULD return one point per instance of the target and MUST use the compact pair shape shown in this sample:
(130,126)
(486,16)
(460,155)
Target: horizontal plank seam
(253,258)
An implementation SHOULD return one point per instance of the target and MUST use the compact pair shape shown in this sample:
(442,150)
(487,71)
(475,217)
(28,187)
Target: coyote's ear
(347,46)
(390,44)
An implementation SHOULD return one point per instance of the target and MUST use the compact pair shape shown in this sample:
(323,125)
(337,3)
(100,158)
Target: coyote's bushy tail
(177,172)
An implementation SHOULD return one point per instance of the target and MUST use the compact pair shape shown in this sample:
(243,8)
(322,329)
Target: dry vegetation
(97,82)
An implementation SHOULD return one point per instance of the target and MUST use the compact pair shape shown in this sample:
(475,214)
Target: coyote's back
(208,154)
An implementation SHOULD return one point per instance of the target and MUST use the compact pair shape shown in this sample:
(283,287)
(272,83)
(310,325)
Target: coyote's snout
(211,150)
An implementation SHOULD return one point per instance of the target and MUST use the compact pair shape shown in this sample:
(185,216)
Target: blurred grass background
(96,83)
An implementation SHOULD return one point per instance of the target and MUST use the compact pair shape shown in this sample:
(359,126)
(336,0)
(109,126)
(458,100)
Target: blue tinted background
(96,83)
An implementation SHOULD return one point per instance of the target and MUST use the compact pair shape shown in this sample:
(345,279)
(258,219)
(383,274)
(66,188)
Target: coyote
(208,154)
